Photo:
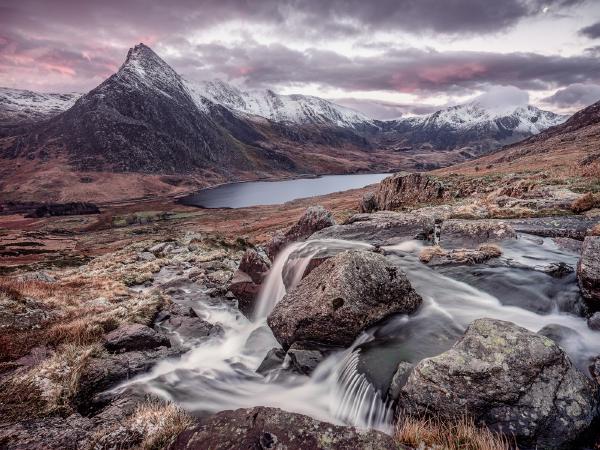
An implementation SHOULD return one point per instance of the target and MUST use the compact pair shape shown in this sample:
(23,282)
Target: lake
(253,193)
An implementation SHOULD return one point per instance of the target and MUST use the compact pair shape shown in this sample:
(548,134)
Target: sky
(386,58)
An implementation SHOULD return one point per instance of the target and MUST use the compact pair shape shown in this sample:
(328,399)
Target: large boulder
(458,233)
(405,189)
(515,381)
(588,270)
(314,219)
(246,281)
(271,428)
(340,298)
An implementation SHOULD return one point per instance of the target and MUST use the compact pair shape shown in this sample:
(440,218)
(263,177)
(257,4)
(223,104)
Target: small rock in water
(594,321)
(273,360)
(558,270)
(457,233)
(134,337)
(559,333)
(399,379)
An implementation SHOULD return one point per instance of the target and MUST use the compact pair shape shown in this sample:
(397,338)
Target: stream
(348,386)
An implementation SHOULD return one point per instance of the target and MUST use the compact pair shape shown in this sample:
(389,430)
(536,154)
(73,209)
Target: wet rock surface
(588,271)
(513,380)
(271,428)
(342,297)
(456,233)
(574,227)
(134,336)
(381,228)
(314,219)
(247,279)
(435,256)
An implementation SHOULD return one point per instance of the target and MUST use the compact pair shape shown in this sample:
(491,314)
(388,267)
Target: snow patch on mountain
(298,109)
(18,105)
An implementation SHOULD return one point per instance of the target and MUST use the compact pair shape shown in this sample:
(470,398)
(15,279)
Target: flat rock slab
(574,227)
(271,428)
(458,233)
(381,228)
(134,336)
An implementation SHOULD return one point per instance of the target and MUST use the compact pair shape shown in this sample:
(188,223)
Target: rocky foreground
(68,336)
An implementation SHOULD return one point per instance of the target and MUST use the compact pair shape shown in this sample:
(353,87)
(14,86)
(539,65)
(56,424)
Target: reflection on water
(252,193)
(350,386)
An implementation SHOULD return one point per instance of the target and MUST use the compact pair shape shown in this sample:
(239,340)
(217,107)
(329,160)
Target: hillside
(571,149)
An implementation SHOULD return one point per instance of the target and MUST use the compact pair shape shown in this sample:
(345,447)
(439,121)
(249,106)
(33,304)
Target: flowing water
(350,386)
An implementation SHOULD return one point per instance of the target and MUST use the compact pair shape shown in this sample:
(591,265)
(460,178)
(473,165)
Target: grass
(444,435)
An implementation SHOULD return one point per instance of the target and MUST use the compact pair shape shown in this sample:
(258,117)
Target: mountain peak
(140,52)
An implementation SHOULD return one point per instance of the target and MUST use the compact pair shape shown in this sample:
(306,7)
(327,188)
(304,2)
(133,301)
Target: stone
(594,321)
(339,299)
(381,228)
(516,382)
(573,227)
(315,218)
(272,360)
(64,433)
(271,428)
(559,333)
(254,265)
(458,233)
(246,281)
(368,203)
(399,379)
(134,336)
(146,256)
(588,271)
(436,256)
(595,369)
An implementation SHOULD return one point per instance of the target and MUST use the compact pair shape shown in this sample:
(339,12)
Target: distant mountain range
(147,119)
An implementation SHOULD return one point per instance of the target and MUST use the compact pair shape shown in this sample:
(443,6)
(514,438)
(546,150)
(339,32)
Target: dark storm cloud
(406,70)
(575,96)
(592,32)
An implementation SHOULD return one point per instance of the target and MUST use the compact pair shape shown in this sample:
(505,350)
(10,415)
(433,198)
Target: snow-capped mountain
(22,106)
(477,126)
(296,109)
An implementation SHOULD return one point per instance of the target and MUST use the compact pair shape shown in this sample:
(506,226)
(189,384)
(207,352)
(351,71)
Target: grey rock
(399,379)
(246,281)
(557,270)
(405,189)
(315,218)
(272,360)
(559,333)
(304,360)
(574,227)
(595,369)
(381,228)
(594,321)
(343,296)
(368,203)
(146,256)
(271,428)
(458,233)
(588,270)
(515,381)
(134,336)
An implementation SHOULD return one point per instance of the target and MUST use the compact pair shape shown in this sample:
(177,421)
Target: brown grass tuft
(594,231)
(438,434)
(159,423)
(585,203)
(428,253)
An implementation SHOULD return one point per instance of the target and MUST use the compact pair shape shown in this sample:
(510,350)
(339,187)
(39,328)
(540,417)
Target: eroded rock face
(456,233)
(314,219)
(344,295)
(134,336)
(588,270)
(271,428)
(515,381)
(404,189)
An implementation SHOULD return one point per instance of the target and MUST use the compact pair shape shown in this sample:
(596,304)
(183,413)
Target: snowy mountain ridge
(23,105)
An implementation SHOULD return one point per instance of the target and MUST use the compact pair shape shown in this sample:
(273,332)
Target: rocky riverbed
(447,307)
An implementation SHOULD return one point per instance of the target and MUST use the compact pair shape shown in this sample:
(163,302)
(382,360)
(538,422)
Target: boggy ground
(66,282)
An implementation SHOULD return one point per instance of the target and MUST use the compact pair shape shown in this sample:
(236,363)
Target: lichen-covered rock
(588,270)
(134,336)
(271,428)
(405,189)
(314,219)
(456,233)
(368,203)
(436,256)
(515,381)
(344,295)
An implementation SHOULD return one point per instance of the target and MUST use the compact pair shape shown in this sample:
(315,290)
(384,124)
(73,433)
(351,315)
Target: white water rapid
(346,388)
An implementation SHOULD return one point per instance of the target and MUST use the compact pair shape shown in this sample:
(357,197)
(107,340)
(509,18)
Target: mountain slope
(475,126)
(143,119)
(571,149)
